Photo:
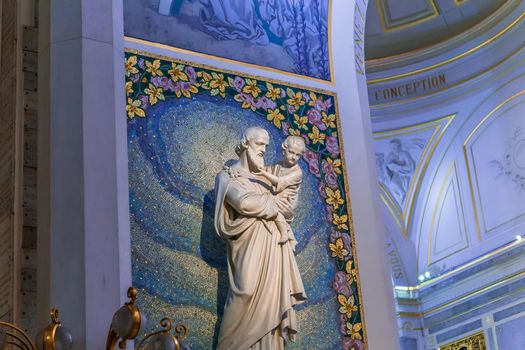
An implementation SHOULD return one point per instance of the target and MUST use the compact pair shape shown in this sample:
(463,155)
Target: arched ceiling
(399,26)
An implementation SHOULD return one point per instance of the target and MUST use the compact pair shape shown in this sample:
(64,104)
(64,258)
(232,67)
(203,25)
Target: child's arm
(274,179)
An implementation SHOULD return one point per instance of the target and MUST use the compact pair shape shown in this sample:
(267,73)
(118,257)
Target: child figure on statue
(287,175)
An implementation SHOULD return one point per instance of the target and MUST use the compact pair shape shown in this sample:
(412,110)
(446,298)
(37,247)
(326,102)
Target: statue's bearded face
(256,149)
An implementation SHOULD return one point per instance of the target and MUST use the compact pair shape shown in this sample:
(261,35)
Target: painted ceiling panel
(396,27)
(291,36)
(498,172)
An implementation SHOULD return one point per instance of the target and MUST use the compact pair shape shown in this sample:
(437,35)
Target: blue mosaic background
(178,260)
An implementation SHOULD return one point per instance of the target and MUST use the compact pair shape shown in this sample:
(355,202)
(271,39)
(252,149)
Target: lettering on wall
(395,262)
(413,88)
(359,34)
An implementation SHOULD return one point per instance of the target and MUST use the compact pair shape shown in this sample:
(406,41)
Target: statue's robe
(264,279)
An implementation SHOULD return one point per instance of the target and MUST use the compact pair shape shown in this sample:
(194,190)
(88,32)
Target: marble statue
(265,283)
(287,174)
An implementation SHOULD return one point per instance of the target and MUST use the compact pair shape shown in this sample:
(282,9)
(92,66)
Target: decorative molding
(451,183)
(390,24)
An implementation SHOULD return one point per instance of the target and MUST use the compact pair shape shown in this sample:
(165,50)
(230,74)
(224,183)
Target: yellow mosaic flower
(129,88)
(333,198)
(177,72)
(301,121)
(316,136)
(218,85)
(294,132)
(295,99)
(351,273)
(275,116)
(336,164)
(130,66)
(354,330)
(328,120)
(313,98)
(273,93)
(154,94)
(154,68)
(186,91)
(338,249)
(133,109)
(340,221)
(347,305)
(251,87)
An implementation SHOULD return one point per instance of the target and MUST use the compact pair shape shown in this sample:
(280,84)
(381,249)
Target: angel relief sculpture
(397,167)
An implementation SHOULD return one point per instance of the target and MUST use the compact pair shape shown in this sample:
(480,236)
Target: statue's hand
(283,204)
(287,193)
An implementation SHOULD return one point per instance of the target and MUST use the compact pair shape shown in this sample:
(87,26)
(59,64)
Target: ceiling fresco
(400,26)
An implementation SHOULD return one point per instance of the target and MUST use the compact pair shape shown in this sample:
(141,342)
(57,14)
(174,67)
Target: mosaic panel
(184,121)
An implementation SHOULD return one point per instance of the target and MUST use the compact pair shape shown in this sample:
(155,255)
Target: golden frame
(472,342)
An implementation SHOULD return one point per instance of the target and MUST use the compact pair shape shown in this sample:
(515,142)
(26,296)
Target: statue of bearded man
(264,279)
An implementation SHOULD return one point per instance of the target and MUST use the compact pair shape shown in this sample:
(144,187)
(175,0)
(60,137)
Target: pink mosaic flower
(332,146)
(192,75)
(340,284)
(238,83)
(352,344)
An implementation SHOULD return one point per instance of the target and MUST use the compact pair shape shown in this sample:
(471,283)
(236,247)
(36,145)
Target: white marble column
(374,270)
(84,248)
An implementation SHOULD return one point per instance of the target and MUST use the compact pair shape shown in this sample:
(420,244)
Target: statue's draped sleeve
(237,208)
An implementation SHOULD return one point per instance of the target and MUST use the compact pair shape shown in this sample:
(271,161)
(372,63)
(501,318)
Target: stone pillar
(374,270)
(84,248)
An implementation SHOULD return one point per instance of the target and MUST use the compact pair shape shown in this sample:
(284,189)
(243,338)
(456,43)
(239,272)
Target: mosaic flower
(129,88)
(246,100)
(328,119)
(154,68)
(293,132)
(176,72)
(185,89)
(340,285)
(295,99)
(334,164)
(251,88)
(332,146)
(314,117)
(133,109)
(351,273)
(354,330)
(162,82)
(218,85)
(333,197)
(264,103)
(316,136)
(342,324)
(237,83)
(338,249)
(300,121)
(352,344)
(130,66)
(347,305)
(192,75)
(340,221)
(276,117)
(154,94)
(272,93)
